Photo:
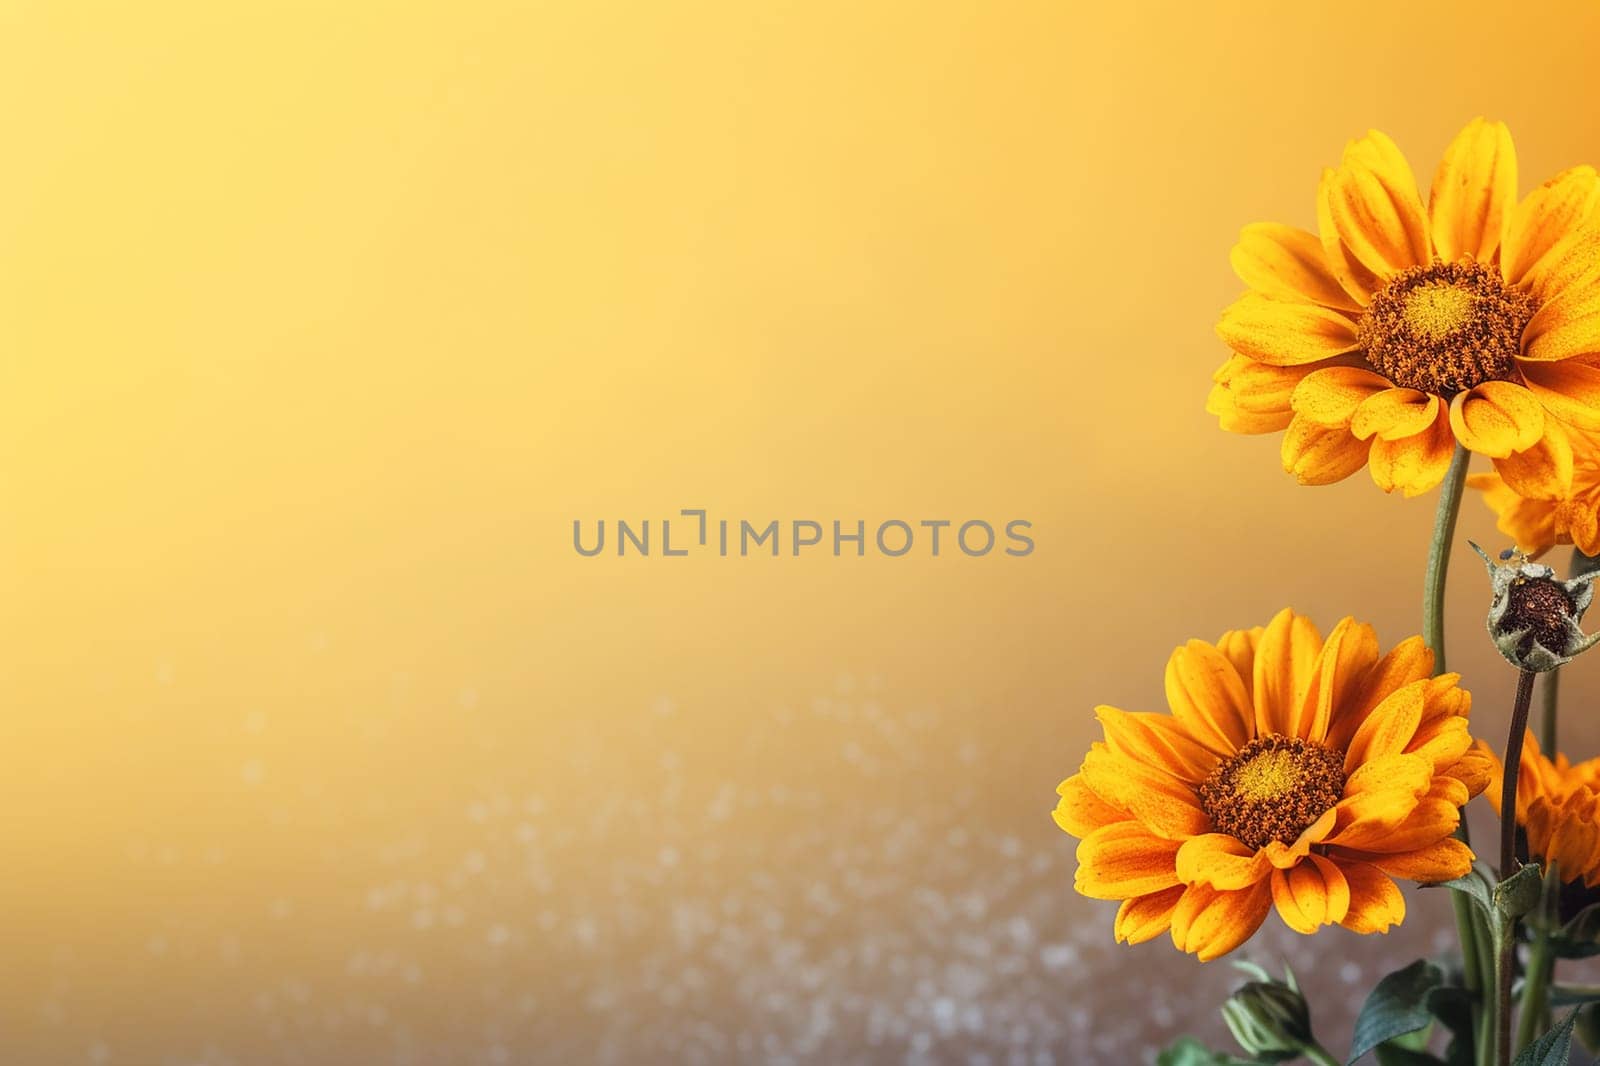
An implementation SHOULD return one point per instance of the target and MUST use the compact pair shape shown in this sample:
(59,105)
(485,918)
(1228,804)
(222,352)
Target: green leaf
(1580,937)
(1502,901)
(1452,1005)
(1476,885)
(1252,970)
(1519,893)
(1551,1049)
(1187,1051)
(1573,995)
(1588,1026)
(1394,1055)
(1398,1005)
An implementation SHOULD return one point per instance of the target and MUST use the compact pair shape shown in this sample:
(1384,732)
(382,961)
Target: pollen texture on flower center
(1445,328)
(1542,608)
(1272,789)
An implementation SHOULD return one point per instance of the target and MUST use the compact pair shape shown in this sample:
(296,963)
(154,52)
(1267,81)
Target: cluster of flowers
(1305,774)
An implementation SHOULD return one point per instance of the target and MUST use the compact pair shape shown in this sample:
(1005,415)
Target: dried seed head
(1533,618)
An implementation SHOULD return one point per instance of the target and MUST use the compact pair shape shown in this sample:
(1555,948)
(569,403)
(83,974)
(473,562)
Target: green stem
(1476,960)
(1483,1018)
(1513,765)
(1319,1054)
(1549,693)
(1503,964)
(1541,964)
(1444,532)
(1508,861)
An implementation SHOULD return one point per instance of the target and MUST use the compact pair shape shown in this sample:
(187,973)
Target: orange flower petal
(1354,278)
(1445,696)
(1375,901)
(1080,812)
(1543,471)
(1497,418)
(1441,741)
(1123,859)
(1321,455)
(1578,520)
(1207,696)
(1395,414)
(1475,770)
(1238,646)
(1407,662)
(1474,192)
(1146,917)
(1450,790)
(1219,860)
(1375,207)
(1283,856)
(1364,822)
(1284,662)
(1287,264)
(1531,524)
(1566,326)
(1330,396)
(1209,922)
(1431,821)
(1156,740)
(1544,217)
(1312,894)
(1571,264)
(1414,464)
(1280,333)
(1403,771)
(1252,397)
(1570,389)
(1573,839)
(1442,860)
(1350,651)
(1387,729)
(1158,800)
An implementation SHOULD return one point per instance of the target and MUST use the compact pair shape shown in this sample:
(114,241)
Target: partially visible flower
(1292,772)
(1558,806)
(1399,330)
(1270,1018)
(1536,524)
(1533,617)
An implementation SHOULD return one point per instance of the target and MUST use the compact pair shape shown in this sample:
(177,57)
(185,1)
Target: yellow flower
(1399,330)
(1570,517)
(1292,771)
(1556,806)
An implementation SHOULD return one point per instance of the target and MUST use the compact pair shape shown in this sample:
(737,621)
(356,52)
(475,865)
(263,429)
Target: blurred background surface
(319,326)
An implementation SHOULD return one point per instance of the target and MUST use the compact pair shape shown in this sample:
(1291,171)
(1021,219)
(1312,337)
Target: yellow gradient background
(319,326)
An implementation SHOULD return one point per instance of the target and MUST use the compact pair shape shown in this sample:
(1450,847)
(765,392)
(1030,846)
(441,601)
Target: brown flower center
(1273,789)
(1445,328)
(1542,607)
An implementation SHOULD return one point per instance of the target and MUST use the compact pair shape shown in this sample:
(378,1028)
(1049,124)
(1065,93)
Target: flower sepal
(1502,902)
(1519,893)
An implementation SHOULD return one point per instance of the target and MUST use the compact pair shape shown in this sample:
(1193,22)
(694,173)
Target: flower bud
(1269,1019)
(1534,617)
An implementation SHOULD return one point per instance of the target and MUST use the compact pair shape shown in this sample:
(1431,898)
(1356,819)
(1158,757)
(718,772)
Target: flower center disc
(1445,328)
(1273,789)
(1542,608)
